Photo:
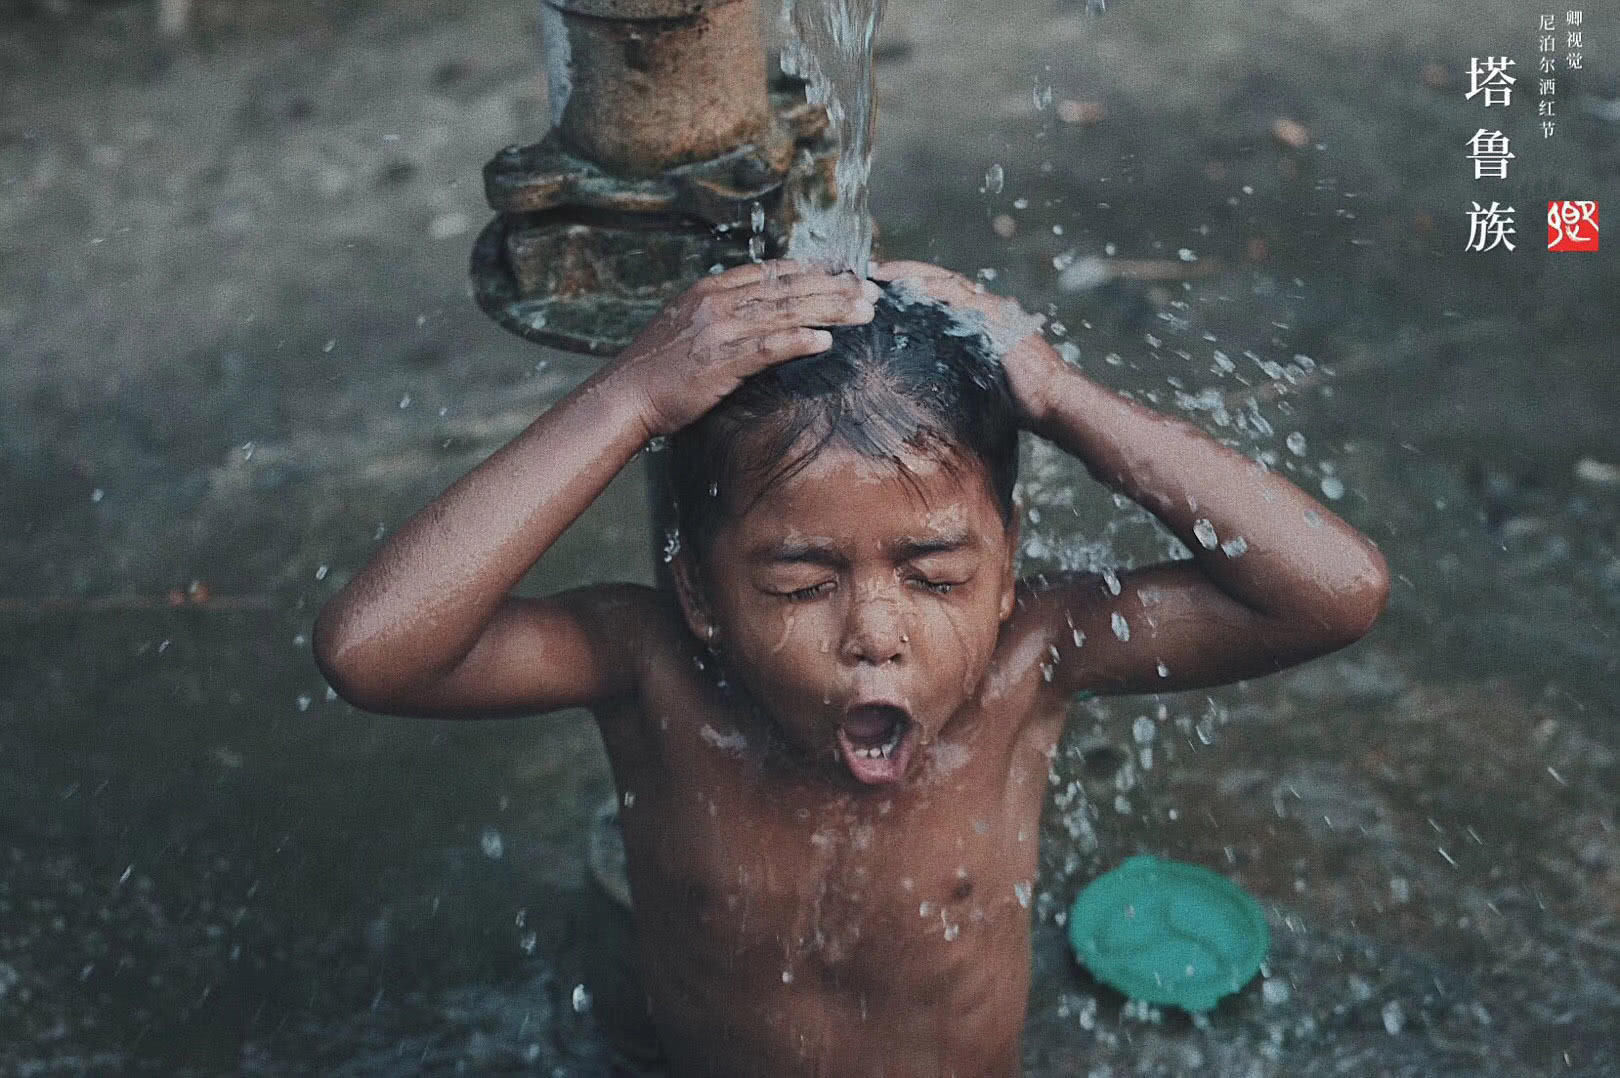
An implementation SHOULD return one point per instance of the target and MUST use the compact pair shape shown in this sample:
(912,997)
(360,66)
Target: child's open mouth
(876,742)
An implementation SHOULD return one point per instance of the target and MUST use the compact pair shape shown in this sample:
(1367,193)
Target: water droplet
(787,976)
(1296,443)
(1122,628)
(1079,638)
(1021,891)
(1332,487)
(1394,1017)
(97,494)
(1143,730)
(995,177)
(582,999)
(528,942)
(304,700)
(951,932)
(672,544)
(320,573)
(1235,546)
(1275,991)
(492,845)
(756,218)
(1205,532)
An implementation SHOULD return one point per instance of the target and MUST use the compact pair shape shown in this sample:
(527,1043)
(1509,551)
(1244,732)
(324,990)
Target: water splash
(828,43)
(756,240)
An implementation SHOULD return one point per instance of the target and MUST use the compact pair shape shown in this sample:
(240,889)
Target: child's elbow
(1365,597)
(336,664)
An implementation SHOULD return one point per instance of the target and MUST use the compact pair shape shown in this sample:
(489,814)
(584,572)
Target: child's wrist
(1036,387)
(628,404)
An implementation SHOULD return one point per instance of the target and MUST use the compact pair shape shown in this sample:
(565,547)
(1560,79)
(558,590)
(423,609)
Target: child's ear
(689,592)
(1009,580)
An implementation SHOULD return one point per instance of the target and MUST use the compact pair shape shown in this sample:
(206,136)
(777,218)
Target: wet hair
(917,377)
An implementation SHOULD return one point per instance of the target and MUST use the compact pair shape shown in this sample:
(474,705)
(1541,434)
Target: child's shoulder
(644,619)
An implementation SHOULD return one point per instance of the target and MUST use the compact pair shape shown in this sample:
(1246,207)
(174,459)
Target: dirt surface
(239,348)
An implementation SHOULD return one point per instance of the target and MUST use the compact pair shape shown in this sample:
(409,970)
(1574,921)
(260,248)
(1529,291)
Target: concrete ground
(239,349)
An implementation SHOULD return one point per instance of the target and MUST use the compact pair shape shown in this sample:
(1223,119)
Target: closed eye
(805,595)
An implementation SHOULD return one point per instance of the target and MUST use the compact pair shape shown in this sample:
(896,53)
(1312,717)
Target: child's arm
(1300,583)
(428,626)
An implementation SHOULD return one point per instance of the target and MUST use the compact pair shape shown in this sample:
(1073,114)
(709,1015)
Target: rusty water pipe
(640,86)
(667,128)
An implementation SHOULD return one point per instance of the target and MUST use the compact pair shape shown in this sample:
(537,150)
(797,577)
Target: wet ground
(239,349)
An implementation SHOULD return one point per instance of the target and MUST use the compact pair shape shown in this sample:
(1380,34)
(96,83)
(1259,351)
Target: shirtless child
(831,745)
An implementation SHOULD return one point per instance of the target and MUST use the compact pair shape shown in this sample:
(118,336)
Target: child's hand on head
(1030,362)
(729,326)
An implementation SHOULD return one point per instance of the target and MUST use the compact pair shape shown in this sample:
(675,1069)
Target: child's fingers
(843,302)
(784,344)
(952,289)
(776,270)
(889,271)
(783,290)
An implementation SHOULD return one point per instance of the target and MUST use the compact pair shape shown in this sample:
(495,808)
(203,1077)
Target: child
(831,745)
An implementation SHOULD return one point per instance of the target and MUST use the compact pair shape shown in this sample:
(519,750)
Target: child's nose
(874,634)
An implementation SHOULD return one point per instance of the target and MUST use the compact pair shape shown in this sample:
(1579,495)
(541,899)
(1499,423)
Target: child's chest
(784,884)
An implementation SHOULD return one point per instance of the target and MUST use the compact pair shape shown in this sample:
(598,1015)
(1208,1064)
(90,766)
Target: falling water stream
(828,43)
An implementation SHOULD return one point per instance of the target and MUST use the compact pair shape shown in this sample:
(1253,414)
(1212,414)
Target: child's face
(846,585)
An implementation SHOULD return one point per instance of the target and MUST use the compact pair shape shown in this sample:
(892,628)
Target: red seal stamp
(1572,225)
